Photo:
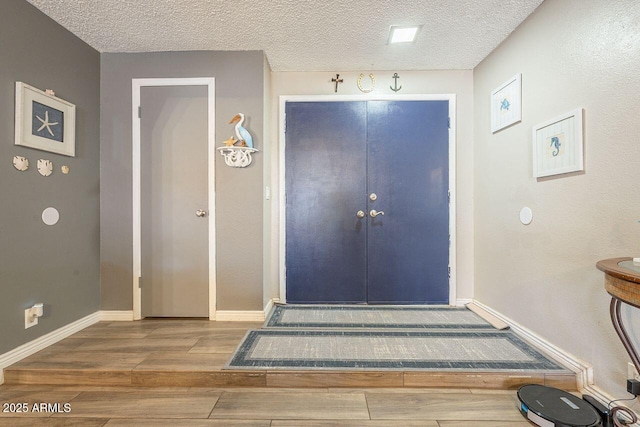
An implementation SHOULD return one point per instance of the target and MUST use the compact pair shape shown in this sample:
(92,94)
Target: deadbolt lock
(361,214)
(373,197)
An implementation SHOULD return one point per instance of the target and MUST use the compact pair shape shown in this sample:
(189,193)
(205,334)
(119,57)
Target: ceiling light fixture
(403,34)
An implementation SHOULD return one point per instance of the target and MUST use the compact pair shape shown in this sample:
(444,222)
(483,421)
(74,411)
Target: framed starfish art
(44,122)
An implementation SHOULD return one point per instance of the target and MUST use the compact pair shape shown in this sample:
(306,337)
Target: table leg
(616,318)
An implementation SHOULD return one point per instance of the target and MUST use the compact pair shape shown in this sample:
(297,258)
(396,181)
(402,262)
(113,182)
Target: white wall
(571,53)
(412,82)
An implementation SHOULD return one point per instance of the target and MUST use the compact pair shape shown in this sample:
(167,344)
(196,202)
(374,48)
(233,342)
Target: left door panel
(174,171)
(325,187)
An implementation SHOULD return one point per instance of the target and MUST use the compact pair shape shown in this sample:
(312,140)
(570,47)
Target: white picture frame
(506,104)
(44,122)
(558,145)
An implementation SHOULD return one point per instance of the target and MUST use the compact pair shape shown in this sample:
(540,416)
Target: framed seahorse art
(558,145)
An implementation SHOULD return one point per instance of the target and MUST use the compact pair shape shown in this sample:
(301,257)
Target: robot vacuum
(550,407)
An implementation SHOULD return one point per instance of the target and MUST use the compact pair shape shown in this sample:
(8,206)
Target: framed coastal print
(44,122)
(506,104)
(558,145)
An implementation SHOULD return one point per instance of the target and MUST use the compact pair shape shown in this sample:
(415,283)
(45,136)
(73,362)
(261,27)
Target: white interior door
(174,201)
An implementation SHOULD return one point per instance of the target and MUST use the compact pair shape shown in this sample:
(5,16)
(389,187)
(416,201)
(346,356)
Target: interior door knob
(374,213)
(201,213)
(361,214)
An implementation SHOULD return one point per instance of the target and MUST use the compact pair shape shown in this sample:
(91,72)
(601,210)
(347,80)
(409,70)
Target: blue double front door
(346,159)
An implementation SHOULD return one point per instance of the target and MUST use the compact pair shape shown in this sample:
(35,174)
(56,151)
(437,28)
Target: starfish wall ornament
(230,142)
(46,123)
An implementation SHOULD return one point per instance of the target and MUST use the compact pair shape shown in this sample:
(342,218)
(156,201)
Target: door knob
(201,213)
(361,214)
(374,213)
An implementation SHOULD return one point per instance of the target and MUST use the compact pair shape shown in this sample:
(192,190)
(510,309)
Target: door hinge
(139,112)
(449,122)
(449,197)
(449,272)
(140,282)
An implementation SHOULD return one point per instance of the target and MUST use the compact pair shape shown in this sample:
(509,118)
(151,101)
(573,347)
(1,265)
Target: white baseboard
(239,316)
(245,315)
(26,350)
(461,302)
(32,347)
(583,370)
(269,306)
(116,315)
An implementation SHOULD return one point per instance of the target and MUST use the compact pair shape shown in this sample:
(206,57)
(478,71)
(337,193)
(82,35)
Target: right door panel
(408,170)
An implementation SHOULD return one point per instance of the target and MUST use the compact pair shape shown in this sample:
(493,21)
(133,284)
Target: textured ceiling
(300,35)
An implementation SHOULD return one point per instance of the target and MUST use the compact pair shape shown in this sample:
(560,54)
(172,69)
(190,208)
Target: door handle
(201,213)
(374,213)
(361,214)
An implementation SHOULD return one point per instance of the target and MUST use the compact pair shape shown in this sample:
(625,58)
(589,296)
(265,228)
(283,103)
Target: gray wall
(571,53)
(57,265)
(239,88)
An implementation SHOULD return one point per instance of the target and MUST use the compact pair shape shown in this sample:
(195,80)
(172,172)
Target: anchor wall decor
(396,88)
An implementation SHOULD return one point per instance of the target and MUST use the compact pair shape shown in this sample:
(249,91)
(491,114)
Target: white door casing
(345,98)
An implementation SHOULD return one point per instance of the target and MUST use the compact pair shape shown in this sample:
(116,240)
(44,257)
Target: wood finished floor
(262,407)
(192,353)
(169,373)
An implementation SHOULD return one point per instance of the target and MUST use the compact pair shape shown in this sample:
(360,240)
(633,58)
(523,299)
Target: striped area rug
(455,350)
(386,317)
(333,337)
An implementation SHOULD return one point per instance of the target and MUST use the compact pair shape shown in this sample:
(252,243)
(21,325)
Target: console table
(622,282)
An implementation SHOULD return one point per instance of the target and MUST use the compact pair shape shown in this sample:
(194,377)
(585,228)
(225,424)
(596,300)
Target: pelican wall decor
(238,156)
(242,134)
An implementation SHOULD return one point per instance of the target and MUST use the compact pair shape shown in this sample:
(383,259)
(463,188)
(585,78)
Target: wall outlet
(632,372)
(29,321)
